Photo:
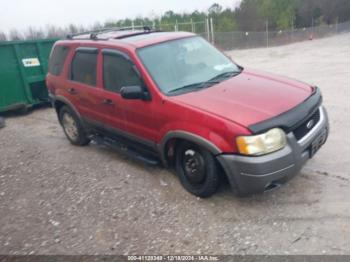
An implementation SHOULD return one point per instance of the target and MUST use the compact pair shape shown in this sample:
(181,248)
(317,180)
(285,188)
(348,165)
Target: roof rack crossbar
(94,34)
(137,33)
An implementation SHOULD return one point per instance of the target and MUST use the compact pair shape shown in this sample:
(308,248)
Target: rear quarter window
(57,59)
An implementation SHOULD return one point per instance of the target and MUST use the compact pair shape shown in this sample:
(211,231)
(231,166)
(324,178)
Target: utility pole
(208,29)
(267,33)
(160,22)
(176,26)
(212,31)
(336,24)
(291,34)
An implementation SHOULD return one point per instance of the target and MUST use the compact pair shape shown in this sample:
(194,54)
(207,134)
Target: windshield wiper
(191,87)
(215,80)
(225,75)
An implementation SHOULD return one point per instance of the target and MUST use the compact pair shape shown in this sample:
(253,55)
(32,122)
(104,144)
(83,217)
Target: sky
(20,14)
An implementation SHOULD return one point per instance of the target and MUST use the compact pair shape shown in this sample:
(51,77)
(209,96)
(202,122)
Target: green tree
(281,14)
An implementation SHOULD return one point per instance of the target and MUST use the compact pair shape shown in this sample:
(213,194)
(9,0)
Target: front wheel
(72,127)
(197,169)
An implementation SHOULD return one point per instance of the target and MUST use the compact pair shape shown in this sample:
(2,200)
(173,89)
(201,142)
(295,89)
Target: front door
(120,71)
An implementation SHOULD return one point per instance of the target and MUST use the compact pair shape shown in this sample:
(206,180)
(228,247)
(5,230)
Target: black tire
(23,110)
(2,122)
(79,138)
(197,170)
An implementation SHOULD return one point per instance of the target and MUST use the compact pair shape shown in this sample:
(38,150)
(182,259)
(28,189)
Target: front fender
(192,138)
(205,138)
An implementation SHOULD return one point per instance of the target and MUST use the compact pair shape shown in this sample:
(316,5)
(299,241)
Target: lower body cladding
(251,175)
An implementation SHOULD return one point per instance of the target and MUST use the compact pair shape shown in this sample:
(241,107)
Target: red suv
(172,96)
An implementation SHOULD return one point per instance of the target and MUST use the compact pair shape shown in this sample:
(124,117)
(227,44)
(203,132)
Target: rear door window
(84,66)
(57,59)
(118,71)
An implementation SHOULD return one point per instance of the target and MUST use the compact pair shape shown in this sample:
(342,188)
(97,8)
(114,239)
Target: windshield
(186,64)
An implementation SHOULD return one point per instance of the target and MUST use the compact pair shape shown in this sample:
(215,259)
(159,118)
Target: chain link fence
(194,27)
(245,40)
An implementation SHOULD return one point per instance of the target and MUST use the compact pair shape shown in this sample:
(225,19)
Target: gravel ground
(56,198)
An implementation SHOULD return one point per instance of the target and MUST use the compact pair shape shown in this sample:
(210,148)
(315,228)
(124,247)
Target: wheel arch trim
(179,134)
(66,102)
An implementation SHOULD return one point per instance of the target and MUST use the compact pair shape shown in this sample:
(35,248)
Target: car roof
(154,38)
(134,38)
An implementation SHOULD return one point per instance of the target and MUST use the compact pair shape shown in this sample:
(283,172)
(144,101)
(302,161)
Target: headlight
(262,144)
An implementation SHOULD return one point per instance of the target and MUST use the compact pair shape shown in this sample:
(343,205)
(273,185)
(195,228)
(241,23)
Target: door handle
(107,101)
(72,91)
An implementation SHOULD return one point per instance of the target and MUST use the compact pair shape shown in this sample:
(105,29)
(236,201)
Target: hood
(249,97)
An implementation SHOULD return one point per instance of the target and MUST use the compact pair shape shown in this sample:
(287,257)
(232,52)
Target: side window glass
(57,59)
(118,72)
(83,68)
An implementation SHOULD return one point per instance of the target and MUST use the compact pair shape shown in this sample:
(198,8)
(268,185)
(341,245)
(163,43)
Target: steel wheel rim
(70,126)
(194,166)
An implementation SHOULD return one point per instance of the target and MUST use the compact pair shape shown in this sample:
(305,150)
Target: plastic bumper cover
(250,175)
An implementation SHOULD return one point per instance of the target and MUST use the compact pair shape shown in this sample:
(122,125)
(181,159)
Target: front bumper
(251,175)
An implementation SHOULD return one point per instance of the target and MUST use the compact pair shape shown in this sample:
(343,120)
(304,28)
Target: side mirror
(134,92)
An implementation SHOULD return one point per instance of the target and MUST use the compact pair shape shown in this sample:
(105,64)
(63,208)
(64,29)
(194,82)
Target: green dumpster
(23,66)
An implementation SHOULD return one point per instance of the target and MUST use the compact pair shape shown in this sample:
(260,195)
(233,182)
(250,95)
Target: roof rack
(93,35)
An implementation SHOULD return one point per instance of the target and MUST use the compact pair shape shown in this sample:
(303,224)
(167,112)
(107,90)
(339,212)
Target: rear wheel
(72,127)
(197,169)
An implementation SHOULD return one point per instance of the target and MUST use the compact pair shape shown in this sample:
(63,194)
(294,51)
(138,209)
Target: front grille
(303,129)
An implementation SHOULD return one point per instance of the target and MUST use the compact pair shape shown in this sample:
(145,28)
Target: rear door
(83,84)
(57,60)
